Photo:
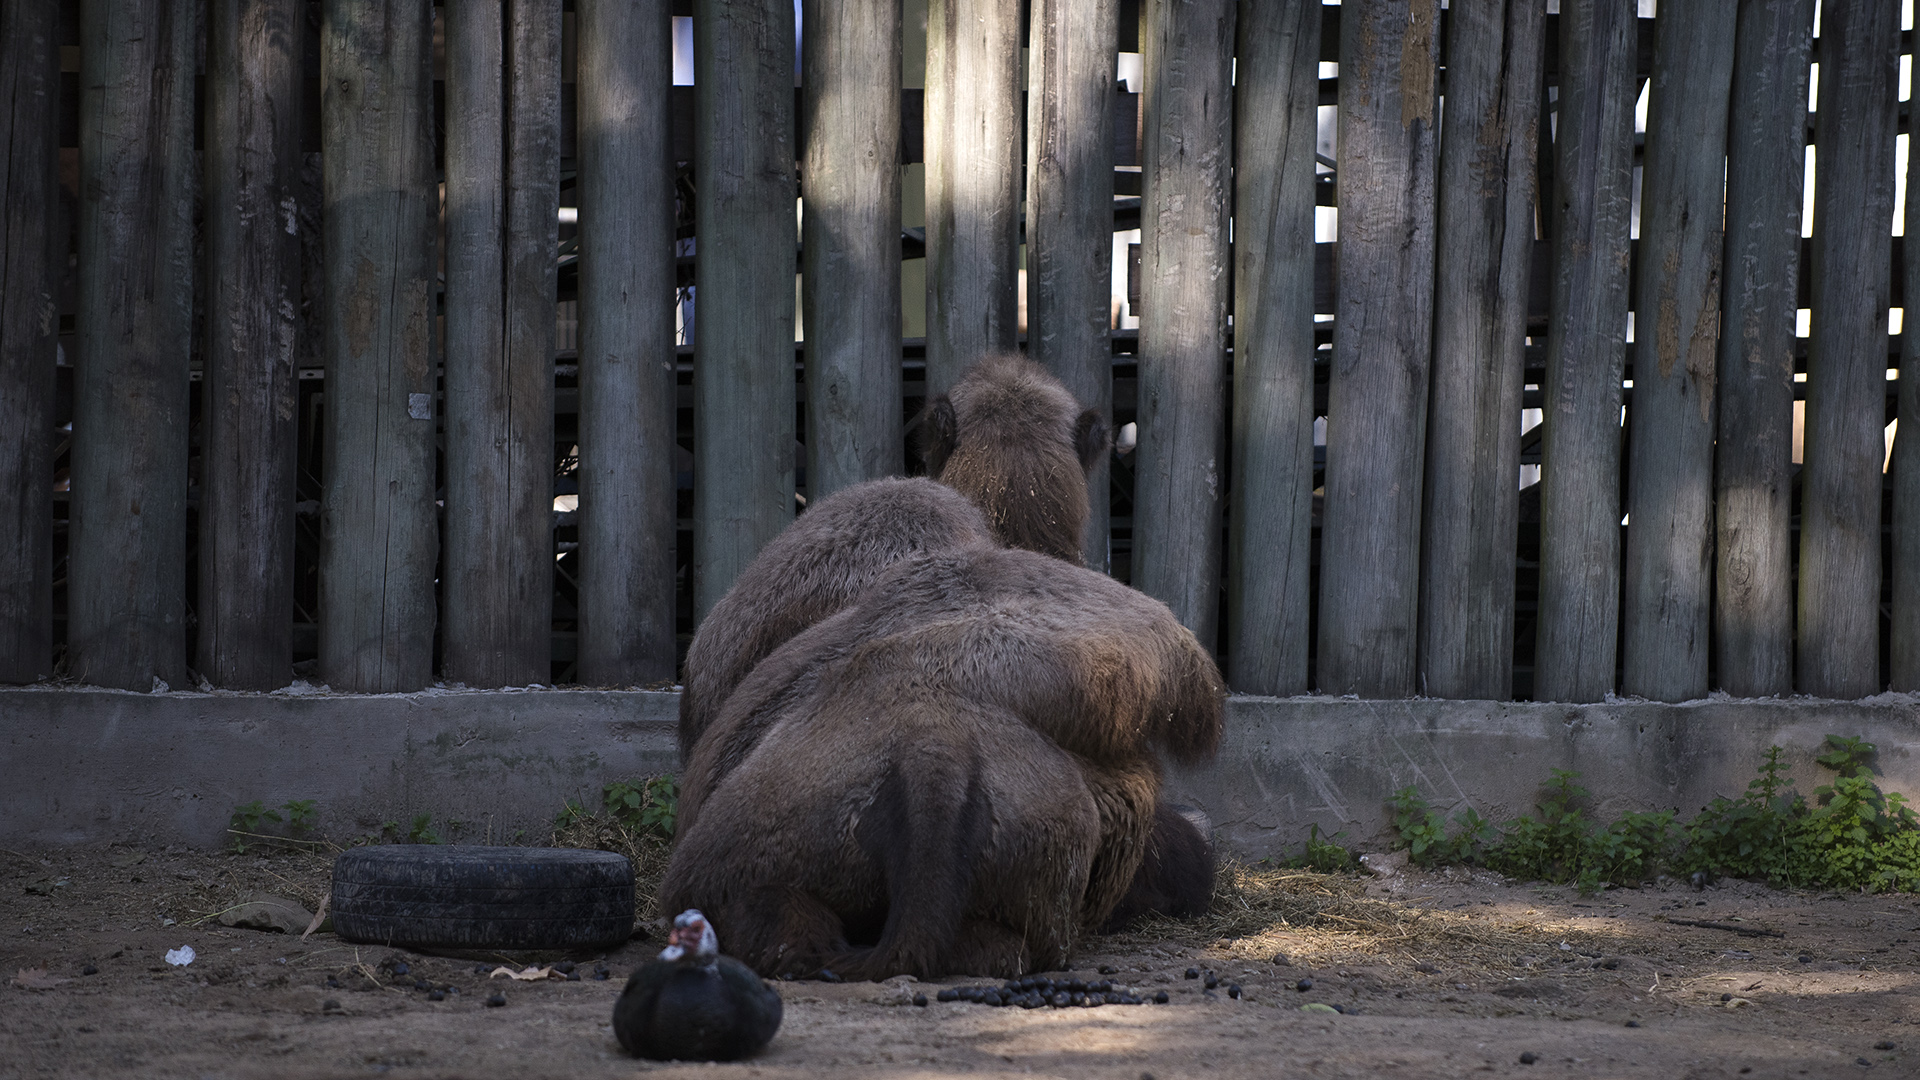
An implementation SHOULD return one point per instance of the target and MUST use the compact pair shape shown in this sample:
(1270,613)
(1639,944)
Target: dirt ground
(1438,973)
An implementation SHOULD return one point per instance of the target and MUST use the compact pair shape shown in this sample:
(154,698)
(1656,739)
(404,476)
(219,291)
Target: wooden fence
(338,336)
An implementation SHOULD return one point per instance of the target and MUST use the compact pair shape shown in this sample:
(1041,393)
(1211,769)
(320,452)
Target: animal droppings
(1883,1044)
(1193,973)
(1233,991)
(1633,1023)
(1212,980)
(436,995)
(1529,1058)
(1109,969)
(1303,985)
(920,1000)
(89,970)
(827,975)
(498,999)
(401,968)
(1160,998)
(1280,960)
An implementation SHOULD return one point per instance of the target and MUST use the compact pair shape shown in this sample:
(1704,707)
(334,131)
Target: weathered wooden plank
(503,170)
(743,344)
(1669,571)
(1185,274)
(252,148)
(973,183)
(1269,529)
(1846,355)
(1904,646)
(1485,251)
(127,560)
(626,343)
(378,534)
(850,230)
(29,325)
(1382,346)
(1070,215)
(1578,624)
(1766,145)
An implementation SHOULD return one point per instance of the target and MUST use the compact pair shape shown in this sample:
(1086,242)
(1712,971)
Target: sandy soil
(1474,974)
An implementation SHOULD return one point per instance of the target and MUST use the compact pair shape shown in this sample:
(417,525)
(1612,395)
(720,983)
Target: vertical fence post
(1485,251)
(1766,172)
(850,242)
(743,353)
(626,342)
(1586,342)
(1904,647)
(127,561)
(1070,215)
(1270,521)
(972,109)
(252,148)
(1669,573)
(1382,345)
(1186,57)
(1847,357)
(503,169)
(29,325)
(378,536)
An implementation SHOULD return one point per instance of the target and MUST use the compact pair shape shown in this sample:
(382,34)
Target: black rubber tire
(429,896)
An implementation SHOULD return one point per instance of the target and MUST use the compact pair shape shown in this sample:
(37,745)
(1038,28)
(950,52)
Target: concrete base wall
(96,766)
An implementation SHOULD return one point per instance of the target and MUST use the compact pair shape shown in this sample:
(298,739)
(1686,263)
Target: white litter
(181,956)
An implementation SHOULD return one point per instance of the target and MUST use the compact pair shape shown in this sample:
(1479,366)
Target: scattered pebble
(498,999)
(1529,1058)
(1317,1007)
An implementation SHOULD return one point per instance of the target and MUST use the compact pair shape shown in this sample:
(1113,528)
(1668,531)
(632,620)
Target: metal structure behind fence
(284,390)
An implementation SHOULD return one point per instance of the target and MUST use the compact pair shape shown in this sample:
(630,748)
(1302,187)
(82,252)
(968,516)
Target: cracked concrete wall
(84,766)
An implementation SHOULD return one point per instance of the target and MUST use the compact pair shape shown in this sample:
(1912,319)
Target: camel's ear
(939,433)
(1091,440)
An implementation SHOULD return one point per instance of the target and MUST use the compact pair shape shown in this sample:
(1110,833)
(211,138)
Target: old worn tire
(427,896)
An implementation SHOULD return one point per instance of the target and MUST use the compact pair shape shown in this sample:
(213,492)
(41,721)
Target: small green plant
(1851,835)
(649,806)
(251,823)
(1323,853)
(421,832)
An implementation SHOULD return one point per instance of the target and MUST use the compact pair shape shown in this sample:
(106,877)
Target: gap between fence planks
(627,396)
(29,327)
(378,534)
(126,602)
(1578,622)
